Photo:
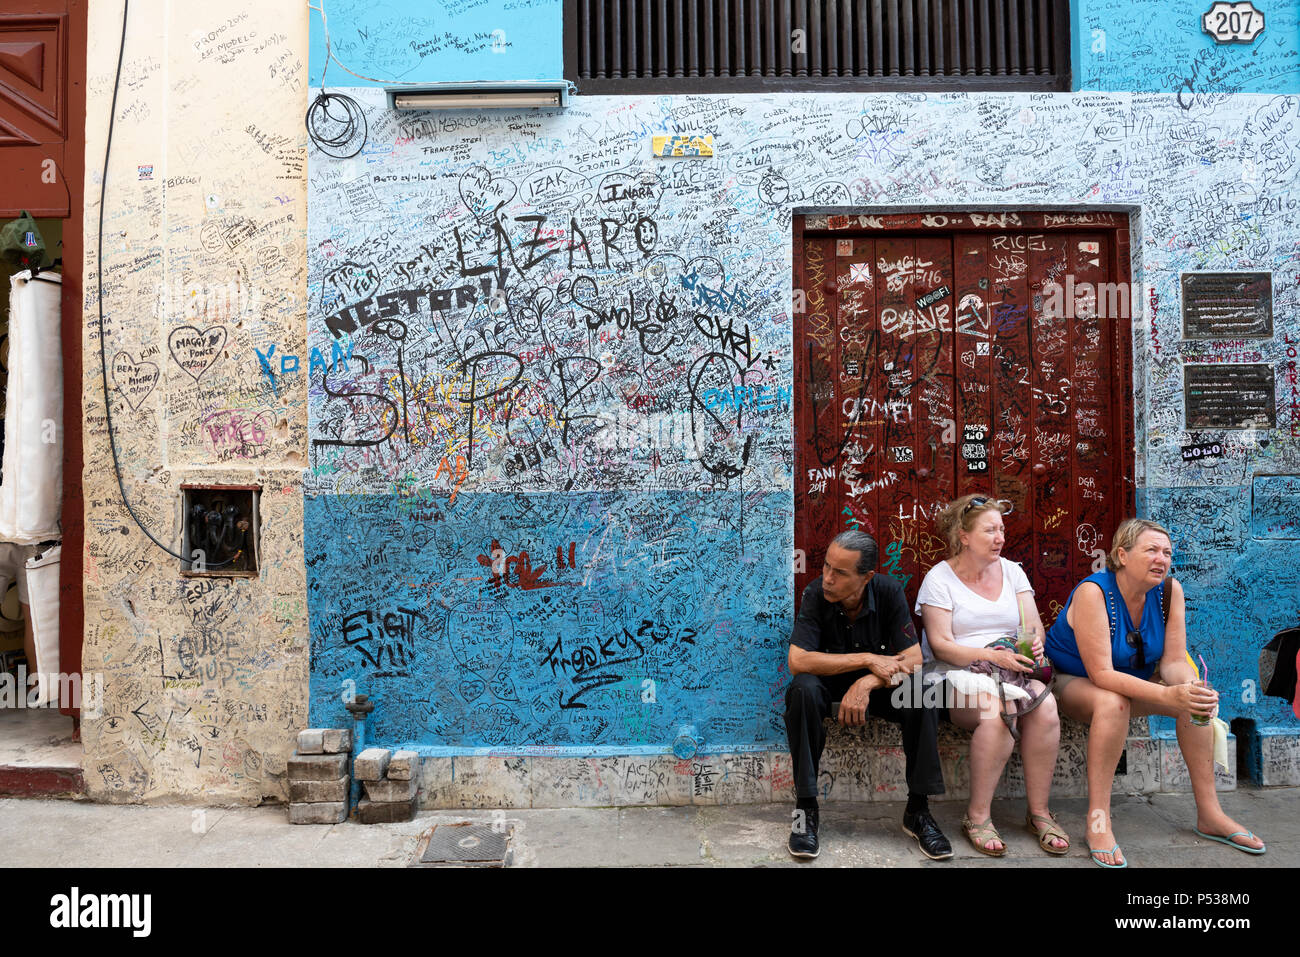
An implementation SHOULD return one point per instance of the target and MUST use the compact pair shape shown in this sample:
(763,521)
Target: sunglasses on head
(1139,660)
(979,501)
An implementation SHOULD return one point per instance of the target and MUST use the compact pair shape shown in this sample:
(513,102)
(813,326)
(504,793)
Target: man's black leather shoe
(803,835)
(922,827)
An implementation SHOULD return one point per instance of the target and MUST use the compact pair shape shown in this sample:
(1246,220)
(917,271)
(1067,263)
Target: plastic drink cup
(1201,720)
(1025,642)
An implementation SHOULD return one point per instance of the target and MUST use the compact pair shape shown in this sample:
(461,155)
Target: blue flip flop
(1231,843)
(1109,867)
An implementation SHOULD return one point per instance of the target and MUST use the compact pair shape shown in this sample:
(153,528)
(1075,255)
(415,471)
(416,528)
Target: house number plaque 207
(1233,22)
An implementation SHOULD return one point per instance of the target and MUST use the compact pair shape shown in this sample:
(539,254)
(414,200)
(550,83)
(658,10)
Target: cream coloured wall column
(205,680)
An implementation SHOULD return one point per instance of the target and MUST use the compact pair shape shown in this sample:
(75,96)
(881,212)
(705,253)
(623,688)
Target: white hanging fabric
(43,604)
(31,483)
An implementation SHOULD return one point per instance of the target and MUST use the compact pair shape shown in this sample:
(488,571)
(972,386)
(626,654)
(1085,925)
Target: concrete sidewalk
(1154,831)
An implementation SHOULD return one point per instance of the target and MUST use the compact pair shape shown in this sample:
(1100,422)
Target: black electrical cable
(332,132)
(103,358)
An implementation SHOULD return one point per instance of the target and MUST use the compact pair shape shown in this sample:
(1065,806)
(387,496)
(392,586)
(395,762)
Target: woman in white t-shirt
(967,602)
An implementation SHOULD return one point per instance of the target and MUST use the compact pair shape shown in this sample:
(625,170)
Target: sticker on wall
(1233,22)
(901,453)
(145,172)
(665,145)
(860,272)
(1200,451)
(844,247)
(930,298)
(975,447)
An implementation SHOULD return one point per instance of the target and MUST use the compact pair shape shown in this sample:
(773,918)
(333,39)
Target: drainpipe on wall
(687,742)
(359,707)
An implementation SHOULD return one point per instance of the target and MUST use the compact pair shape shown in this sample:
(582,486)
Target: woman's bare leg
(1040,739)
(990,746)
(1197,744)
(1107,716)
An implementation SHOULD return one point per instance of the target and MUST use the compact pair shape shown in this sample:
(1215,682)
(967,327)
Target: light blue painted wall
(1235,555)
(1152,45)
(1158,45)
(437,41)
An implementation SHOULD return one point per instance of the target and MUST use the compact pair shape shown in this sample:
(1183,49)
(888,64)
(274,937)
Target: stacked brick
(392,783)
(318,776)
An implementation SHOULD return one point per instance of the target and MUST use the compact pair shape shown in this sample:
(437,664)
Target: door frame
(71,306)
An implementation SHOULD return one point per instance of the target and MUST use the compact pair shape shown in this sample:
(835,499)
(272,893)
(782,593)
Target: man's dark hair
(863,544)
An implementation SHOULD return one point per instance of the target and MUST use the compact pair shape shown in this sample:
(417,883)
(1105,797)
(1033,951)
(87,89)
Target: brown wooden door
(932,359)
(42,169)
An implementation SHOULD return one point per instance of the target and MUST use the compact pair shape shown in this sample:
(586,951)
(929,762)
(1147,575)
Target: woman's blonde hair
(961,515)
(1126,536)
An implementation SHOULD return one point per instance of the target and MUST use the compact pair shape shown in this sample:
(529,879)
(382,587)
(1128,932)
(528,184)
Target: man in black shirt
(854,642)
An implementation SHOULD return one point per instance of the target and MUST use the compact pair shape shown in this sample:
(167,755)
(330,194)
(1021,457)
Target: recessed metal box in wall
(220,530)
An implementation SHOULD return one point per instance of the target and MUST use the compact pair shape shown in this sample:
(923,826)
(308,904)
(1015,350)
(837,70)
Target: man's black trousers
(808,704)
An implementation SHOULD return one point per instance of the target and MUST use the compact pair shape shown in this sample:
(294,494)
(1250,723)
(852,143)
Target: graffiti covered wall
(548,499)
(203,290)
(550,491)
(1163,46)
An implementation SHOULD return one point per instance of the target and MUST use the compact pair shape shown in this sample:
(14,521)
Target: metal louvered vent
(718,46)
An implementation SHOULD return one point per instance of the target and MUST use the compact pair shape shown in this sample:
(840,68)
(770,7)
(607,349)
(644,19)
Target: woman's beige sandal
(980,834)
(1046,827)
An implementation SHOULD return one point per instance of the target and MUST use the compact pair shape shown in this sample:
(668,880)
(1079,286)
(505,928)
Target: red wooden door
(42,169)
(934,357)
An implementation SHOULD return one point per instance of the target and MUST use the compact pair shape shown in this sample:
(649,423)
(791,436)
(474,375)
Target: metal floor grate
(463,844)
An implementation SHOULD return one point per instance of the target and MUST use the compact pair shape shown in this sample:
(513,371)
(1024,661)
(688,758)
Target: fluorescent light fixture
(543,94)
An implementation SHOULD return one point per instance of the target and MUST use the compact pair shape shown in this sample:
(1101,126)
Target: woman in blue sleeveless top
(1115,659)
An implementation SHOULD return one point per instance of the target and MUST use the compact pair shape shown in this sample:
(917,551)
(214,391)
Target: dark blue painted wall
(606,619)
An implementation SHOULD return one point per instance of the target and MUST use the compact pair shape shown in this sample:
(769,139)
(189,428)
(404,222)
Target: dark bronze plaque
(1224,396)
(1227,305)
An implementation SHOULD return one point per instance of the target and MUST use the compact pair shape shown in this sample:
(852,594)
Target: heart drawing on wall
(481,636)
(194,349)
(135,380)
(483,193)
